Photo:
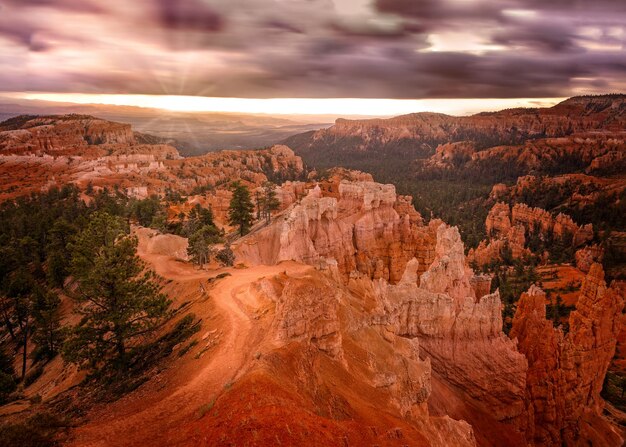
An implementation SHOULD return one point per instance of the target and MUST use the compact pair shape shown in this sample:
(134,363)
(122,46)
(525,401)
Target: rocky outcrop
(451,155)
(498,222)
(611,162)
(587,256)
(37,153)
(435,303)
(536,219)
(361,231)
(508,229)
(306,311)
(566,369)
(320,342)
(459,330)
(48,134)
(419,133)
(151,242)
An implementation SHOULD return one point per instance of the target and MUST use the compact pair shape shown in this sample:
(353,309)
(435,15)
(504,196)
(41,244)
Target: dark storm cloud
(188,14)
(314,48)
(548,37)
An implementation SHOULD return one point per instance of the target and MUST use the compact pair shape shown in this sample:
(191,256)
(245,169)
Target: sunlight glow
(295,106)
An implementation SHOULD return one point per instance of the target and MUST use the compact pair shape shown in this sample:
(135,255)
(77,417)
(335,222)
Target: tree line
(59,244)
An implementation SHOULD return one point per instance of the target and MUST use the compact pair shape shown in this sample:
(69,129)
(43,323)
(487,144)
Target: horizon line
(292,106)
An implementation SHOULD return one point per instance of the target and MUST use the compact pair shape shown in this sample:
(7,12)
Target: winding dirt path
(153,414)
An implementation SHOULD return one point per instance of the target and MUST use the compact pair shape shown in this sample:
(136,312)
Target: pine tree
(201,243)
(20,292)
(225,256)
(120,299)
(241,209)
(270,201)
(198,217)
(47,319)
(259,205)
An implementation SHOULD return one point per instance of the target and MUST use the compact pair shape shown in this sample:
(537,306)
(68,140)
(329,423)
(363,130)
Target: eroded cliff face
(419,133)
(459,329)
(362,231)
(566,369)
(442,311)
(509,228)
(324,345)
(48,134)
(38,153)
(414,280)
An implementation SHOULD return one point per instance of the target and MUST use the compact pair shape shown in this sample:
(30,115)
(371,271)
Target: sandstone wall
(566,369)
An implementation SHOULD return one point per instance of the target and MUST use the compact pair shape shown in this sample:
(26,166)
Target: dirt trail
(153,414)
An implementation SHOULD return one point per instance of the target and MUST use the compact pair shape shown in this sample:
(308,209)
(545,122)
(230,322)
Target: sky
(372,56)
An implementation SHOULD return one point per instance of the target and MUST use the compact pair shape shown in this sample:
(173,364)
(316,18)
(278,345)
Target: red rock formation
(509,227)
(460,332)
(48,134)
(363,241)
(353,376)
(576,115)
(498,191)
(566,370)
(587,256)
(498,222)
(451,155)
(38,153)
(361,232)
(536,218)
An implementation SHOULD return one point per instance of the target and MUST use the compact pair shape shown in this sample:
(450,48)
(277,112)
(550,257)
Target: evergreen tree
(144,211)
(47,318)
(225,256)
(198,218)
(21,289)
(259,205)
(270,201)
(58,252)
(240,209)
(200,247)
(121,300)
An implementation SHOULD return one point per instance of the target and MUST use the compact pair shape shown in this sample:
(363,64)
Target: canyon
(348,318)
(418,134)
(447,310)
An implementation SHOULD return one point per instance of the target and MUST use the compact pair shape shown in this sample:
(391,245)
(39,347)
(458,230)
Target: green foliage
(111,383)
(200,247)
(562,249)
(269,202)
(120,299)
(146,211)
(240,209)
(225,256)
(202,233)
(39,236)
(197,219)
(48,334)
(173,196)
(512,282)
(557,311)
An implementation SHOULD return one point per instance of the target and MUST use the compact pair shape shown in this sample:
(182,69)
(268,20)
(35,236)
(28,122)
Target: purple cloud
(314,48)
